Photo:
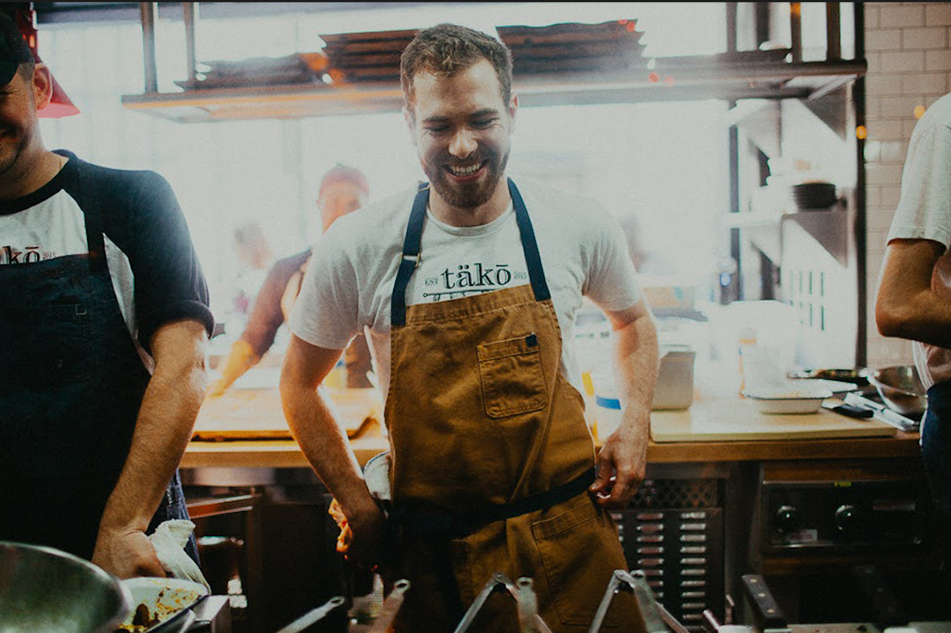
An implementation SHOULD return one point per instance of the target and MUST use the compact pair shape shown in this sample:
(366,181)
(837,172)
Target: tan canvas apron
(483,424)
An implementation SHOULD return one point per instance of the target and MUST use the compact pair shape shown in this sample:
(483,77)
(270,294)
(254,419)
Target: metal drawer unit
(673,532)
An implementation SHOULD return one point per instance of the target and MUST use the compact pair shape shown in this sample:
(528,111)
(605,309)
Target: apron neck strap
(92,215)
(409,259)
(536,272)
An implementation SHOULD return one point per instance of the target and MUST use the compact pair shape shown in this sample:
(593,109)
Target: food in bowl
(157,601)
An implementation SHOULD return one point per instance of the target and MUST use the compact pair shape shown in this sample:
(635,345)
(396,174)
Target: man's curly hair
(447,49)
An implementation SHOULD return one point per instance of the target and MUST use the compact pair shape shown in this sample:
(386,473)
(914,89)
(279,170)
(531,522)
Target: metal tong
(328,618)
(522,591)
(319,614)
(652,613)
(391,606)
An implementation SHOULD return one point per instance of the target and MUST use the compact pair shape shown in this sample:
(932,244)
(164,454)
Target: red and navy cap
(13,48)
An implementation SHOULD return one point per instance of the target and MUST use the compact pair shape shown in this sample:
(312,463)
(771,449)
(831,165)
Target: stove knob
(846,519)
(787,519)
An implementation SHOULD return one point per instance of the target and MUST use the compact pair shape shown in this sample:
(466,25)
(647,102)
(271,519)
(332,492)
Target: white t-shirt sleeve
(924,210)
(611,281)
(326,312)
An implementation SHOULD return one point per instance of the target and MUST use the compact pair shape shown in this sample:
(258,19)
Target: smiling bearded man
(469,302)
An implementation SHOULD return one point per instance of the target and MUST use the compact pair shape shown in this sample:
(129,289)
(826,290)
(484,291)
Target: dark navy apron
(71,383)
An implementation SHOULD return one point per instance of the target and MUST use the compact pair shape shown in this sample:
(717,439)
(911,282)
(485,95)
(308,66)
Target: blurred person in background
(254,260)
(342,190)
(103,331)
(914,291)
(646,260)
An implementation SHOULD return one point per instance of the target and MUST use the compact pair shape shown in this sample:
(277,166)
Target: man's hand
(367,526)
(622,461)
(126,553)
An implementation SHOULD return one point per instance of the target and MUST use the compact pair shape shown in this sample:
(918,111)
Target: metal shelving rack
(703,78)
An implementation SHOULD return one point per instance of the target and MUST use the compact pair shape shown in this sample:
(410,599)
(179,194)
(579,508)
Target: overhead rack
(732,76)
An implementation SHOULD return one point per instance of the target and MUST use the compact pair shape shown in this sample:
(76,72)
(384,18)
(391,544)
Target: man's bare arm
(624,453)
(325,443)
(162,431)
(906,306)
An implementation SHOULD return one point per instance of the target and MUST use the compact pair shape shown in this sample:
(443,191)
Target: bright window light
(665,163)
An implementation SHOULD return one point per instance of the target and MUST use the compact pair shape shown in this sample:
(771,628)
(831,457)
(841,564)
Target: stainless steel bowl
(901,389)
(43,589)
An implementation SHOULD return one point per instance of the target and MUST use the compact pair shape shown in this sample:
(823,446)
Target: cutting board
(739,419)
(256,413)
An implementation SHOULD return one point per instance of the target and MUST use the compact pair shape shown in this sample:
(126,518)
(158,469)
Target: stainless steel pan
(43,589)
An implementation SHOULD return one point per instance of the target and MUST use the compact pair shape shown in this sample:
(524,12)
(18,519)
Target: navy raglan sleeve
(169,283)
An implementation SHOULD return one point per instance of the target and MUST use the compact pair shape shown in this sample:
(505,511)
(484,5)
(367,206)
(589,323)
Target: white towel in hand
(169,541)
(376,473)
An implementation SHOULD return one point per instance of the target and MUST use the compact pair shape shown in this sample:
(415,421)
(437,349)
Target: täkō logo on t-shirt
(32,254)
(469,279)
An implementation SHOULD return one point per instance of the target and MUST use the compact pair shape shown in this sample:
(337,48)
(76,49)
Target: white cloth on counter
(169,541)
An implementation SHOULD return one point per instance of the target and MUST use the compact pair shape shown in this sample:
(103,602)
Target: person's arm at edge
(258,335)
(325,444)
(241,358)
(623,455)
(162,431)
(906,306)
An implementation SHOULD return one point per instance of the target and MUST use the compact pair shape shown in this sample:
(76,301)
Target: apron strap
(410,256)
(409,260)
(536,273)
(454,525)
(95,239)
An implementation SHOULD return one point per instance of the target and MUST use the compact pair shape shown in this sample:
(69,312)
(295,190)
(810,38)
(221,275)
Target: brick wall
(908,47)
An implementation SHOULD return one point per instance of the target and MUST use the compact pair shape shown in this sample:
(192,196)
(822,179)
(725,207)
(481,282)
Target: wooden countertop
(286,453)
(246,428)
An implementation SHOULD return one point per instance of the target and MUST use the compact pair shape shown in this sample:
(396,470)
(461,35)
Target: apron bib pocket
(513,381)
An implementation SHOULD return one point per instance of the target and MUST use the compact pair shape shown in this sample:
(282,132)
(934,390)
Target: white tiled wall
(908,47)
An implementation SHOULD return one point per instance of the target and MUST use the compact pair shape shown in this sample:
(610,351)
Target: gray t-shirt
(349,284)
(924,212)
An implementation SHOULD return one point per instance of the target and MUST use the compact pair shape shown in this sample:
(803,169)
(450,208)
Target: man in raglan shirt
(104,323)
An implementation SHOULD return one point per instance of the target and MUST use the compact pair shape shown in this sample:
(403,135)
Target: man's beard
(467,196)
(10,152)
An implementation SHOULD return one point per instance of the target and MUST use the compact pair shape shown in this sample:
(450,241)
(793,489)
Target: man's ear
(513,108)
(410,123)
(42,84)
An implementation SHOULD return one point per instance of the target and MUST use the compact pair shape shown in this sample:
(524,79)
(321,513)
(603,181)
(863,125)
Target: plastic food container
(674,390)
(608,415)
(782,400)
